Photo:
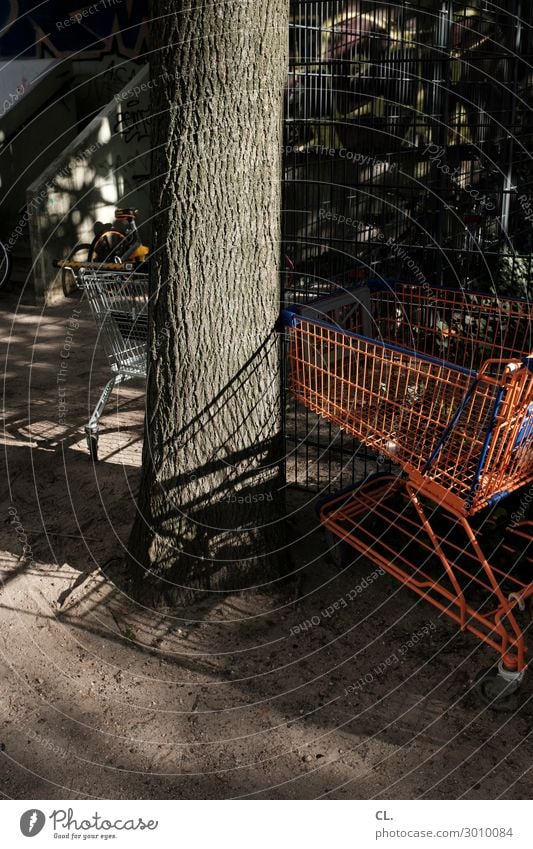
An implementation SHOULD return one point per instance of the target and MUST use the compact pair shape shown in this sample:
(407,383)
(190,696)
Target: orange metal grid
(403,402)
(441,558)
(460,327)
(461,429)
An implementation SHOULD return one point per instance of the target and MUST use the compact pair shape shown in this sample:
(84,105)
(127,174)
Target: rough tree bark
(210,509)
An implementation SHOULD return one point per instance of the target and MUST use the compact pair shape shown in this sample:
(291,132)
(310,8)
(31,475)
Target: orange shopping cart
(440,382)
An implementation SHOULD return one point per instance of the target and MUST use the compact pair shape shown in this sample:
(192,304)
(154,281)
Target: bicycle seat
(126,213)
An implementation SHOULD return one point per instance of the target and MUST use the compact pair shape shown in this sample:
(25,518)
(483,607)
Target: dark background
(29,28)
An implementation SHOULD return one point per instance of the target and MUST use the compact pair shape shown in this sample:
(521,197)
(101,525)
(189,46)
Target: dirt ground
(102,698)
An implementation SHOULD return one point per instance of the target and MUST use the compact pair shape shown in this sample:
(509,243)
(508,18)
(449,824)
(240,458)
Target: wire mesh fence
(407,156)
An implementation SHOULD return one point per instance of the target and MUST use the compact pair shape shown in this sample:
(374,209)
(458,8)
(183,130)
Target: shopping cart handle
(287,318)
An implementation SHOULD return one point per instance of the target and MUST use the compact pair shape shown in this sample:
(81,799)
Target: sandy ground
(102,698)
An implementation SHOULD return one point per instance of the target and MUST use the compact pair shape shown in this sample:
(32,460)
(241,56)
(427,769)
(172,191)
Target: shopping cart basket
(119,303)
(441,383)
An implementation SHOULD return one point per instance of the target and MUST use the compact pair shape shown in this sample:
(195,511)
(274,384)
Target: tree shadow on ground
(279,694)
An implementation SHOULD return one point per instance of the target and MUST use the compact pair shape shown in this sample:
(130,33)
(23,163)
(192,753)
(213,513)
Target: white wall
(106,165)
(17,76)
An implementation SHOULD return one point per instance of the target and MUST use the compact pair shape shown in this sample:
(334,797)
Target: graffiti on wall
(133,121)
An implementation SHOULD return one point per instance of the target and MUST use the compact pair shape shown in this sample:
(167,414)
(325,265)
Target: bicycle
(112,245)
(111,249)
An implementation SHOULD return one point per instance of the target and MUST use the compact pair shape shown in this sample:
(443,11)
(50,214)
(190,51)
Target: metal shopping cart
(119,304)
(441,383)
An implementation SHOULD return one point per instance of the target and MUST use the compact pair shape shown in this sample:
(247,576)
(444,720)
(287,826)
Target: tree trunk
(210,509)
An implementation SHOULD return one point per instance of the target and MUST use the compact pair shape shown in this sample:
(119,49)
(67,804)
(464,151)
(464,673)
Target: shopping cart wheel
(499,689)
(92,445)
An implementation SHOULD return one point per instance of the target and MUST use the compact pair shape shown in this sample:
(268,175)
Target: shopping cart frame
(471,425)
(118,300)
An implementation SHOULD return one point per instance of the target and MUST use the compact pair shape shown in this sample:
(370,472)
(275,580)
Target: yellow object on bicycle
(140,253)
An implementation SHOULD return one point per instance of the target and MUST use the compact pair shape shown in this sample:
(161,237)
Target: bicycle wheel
(107,246)
(69,276)
(5,265)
